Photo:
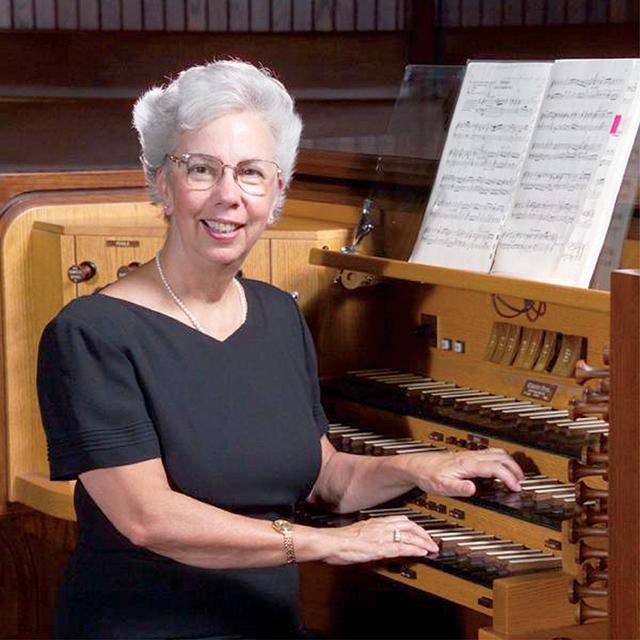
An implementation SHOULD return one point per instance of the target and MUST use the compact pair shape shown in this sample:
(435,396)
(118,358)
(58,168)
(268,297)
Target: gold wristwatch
(286,529)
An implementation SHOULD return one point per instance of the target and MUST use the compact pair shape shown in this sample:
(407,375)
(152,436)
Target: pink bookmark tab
(615,124)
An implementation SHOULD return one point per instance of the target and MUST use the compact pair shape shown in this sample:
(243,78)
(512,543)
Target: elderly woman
(186,401)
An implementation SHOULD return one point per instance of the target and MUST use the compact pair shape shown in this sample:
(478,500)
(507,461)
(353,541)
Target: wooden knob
(593,574)
(578,531)
(579,591)
(82,272)
(591,456)
(604,386)
(591,517)
(586,552)
(606,354)
(585,493)
(593,396)
(578,470)
(126,269)
(578,409)
(584,372)
(585,613)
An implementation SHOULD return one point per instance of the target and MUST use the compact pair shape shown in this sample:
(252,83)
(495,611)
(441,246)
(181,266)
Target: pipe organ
(412,358)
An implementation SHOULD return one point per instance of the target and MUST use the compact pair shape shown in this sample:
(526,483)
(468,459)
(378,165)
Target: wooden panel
(530,602)
(534,12)
(12,184)
(290,271)
(239,15)
(23,17)
(456,46)
(512,12)
(5,14)
(345,15)
(152,15)
(33,551)
(260,15)
(470,13)
(196,11)
(444,585)
(302,15)
(52,498)
(132,15)
(108,257)
(323,15)
(624,458)
(67,14)
(45,11)
(593,631)
(175,16)
(218,15)
(366,16)
(111,15)
(258,263)
(567,296)
(281,15)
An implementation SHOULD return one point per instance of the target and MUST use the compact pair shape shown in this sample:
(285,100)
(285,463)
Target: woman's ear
(273,216)
(165,190)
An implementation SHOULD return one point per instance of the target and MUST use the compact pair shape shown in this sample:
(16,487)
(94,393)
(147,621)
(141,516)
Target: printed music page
(481,164)
(572,175)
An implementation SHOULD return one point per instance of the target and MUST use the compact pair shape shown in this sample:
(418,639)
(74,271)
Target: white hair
(206,92)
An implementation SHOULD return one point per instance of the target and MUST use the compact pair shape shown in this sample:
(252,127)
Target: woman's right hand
(377,539)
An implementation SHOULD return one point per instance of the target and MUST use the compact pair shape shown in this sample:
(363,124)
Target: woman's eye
(201,170)
(251,172)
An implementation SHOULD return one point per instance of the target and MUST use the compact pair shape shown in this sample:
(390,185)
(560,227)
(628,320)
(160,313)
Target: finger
(500,455)
(412,544)
(490,469)
(457,487)
(417,532)
(392,519)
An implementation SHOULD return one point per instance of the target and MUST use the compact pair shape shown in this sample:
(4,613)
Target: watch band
(285,528)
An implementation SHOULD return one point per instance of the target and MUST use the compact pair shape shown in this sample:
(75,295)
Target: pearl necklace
(183,307)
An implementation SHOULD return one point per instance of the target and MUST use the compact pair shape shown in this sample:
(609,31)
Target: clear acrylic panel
(409,153)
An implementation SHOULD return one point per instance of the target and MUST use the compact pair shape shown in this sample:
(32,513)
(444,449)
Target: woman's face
(219,225)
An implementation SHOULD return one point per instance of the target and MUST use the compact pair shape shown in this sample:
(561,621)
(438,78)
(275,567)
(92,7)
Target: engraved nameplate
(539,390)
(123,244)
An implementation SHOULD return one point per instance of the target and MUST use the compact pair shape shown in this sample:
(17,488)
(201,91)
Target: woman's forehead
(244,133)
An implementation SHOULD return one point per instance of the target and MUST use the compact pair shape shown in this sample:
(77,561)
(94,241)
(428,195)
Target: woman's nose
(227,188)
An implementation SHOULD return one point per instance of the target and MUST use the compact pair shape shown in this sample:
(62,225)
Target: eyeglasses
(203,172)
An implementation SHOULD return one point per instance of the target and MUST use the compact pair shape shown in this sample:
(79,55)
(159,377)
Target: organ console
(450,372)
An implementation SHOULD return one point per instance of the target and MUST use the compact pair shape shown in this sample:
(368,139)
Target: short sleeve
(92,407)
(311,366)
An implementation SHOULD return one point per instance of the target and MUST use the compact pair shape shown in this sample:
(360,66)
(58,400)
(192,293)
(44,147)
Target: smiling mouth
(221,227)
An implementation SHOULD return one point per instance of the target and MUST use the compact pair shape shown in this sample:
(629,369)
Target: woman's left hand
(450,473)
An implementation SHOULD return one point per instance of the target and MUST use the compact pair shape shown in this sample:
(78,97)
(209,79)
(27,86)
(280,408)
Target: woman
(186,402)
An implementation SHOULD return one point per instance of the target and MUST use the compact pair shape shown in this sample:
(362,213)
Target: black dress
(237,424)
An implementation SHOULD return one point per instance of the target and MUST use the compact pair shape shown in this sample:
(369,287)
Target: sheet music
(481,164)
(572,175)
(597,215)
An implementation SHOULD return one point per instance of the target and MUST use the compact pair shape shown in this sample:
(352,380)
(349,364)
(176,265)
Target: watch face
(282,525)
